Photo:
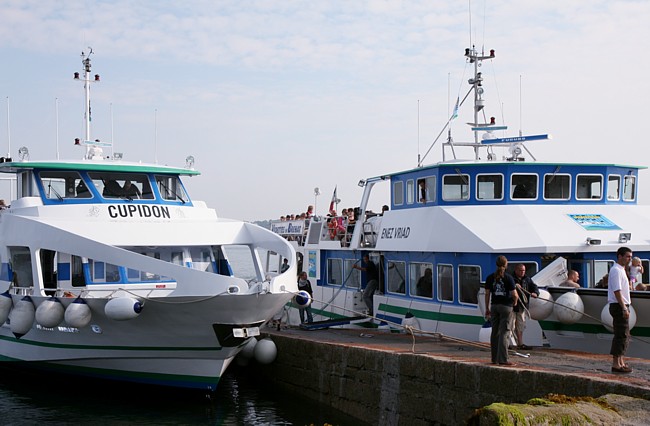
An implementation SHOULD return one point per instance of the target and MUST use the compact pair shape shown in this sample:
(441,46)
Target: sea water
(32,398)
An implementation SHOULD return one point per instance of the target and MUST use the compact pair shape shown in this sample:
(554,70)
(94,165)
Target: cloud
(311,94)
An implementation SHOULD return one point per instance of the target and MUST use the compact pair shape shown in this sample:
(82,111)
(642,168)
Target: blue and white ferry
(456,216)
(110,269)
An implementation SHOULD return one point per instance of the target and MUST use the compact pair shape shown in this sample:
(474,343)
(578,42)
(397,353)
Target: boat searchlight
(593,242)
(23,153)
(624,237)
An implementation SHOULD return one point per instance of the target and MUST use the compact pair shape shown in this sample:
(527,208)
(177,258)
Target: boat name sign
(397,232)
(140,210)
(293,227)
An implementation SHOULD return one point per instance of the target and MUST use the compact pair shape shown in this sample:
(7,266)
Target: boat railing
(336,230)
(316,229)
(22,291)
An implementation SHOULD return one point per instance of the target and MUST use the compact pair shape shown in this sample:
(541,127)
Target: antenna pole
(418,132)
(521,124)
(155,136)
(85,61)
(112,137)
(8,131)
(56,112)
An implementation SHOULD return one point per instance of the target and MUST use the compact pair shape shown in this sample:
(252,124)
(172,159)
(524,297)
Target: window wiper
(166,188)
(58,196)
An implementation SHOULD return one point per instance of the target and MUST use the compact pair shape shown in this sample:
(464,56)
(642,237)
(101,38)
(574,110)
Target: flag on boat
(455,113)
(334,200)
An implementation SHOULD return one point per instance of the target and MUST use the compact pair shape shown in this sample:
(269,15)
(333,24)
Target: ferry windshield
(58,185)
(128,186)
(171,189)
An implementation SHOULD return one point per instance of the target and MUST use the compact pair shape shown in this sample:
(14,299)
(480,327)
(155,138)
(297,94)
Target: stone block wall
(403,388)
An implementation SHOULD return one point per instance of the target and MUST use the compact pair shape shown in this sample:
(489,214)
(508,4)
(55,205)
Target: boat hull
(588,334)
(182,342)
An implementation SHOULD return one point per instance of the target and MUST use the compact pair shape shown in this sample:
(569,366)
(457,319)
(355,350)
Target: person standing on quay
(618,297)
(526,288)
(500,287)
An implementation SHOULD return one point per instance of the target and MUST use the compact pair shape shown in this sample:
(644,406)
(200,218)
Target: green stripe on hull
(432,316)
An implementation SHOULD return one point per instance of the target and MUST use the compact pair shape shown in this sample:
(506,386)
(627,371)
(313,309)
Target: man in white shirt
(618,297)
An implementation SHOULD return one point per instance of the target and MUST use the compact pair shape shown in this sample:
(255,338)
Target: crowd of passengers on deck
(338,227)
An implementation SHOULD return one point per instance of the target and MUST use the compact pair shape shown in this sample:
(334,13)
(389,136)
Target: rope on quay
(409,328)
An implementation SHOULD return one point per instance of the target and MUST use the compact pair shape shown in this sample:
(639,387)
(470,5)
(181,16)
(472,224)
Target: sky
(276,98)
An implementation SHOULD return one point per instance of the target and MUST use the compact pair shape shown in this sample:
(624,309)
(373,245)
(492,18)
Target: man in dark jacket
(526,289)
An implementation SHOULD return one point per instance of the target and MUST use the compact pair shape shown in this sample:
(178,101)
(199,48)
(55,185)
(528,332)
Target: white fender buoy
(485,333)
(5,306)
(50,312)
(78,313)
(541,307)
(123,308)
(608,321)
(410,321)
(22,317)
(265,351)
(302,299)
(569,308)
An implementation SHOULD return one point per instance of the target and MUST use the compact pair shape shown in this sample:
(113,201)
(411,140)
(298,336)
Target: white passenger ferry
(109,269)
(456,216)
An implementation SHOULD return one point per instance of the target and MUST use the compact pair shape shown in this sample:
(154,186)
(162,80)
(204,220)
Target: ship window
(353,276)
(135,275)
(557,186)
(421,279)
(427,189)
(127,186)
(646,271)
(241,261)
(334,271)
(77,271)
(629,188)
(445,290)
(201,259)
(171,189)
(20,261)
(613,187)
(409,191)
(523,186)
(177,258)
(601,268)
(58,185)
(469,282)
(455,187)
(398,193)
(102,272)
(396,276)
(589,187)
(489,187)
